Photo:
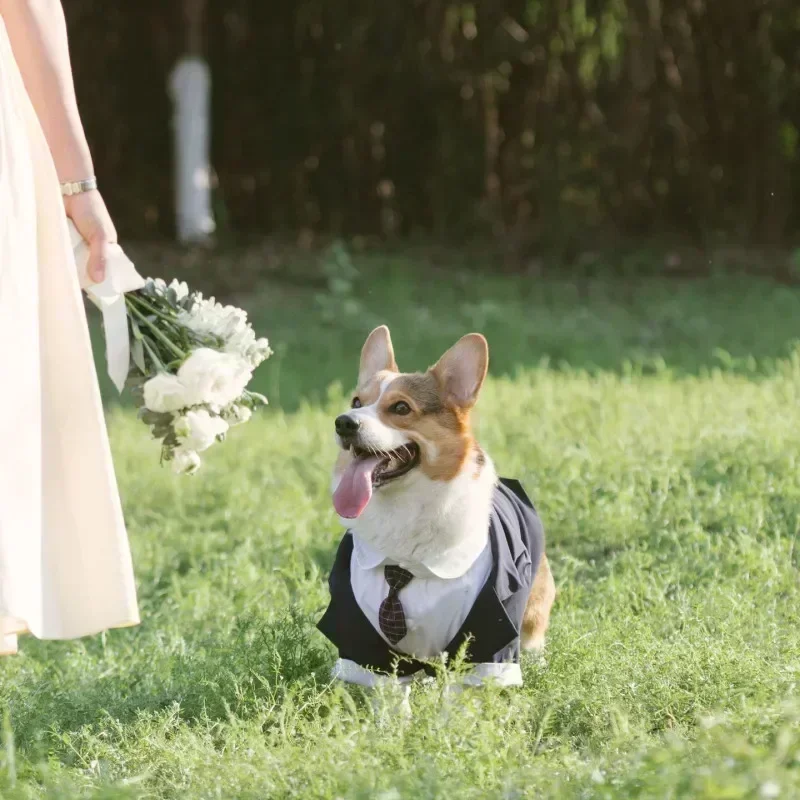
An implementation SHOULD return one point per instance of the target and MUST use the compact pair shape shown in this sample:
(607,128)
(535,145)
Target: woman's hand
(89,214)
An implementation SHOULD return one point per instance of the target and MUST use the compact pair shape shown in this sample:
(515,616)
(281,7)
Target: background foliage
(532,120)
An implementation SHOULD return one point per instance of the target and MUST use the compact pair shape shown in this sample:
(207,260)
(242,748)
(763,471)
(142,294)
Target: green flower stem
(138,299)
(156,332)
(170,322)
(153,355)
(208,340)
(186,334)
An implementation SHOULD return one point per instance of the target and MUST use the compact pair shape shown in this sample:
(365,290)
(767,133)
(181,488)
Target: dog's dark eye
(400,408)
(356,403)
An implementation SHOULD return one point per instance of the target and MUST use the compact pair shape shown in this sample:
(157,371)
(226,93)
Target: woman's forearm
(38,35)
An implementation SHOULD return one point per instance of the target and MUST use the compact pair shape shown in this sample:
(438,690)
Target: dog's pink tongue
(355,488)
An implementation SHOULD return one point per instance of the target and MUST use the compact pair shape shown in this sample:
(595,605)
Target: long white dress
(65,566)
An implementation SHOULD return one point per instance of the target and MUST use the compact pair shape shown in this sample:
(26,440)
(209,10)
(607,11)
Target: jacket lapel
(488,622)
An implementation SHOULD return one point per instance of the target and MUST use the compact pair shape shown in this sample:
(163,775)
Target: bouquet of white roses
(191,362)
(188,360)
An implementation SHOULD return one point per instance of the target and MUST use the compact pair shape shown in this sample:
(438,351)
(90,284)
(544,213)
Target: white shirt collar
(452,563)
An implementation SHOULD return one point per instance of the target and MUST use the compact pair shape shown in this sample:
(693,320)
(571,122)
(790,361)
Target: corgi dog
(439,552)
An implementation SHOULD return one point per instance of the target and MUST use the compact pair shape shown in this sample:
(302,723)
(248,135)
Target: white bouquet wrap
(188,360)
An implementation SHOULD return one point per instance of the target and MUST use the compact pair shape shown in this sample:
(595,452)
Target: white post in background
(190,85)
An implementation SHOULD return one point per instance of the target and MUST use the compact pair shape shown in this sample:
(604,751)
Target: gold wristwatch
(78,187)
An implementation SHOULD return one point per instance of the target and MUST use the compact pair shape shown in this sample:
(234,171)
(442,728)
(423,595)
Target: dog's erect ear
(461,371)
(377,355)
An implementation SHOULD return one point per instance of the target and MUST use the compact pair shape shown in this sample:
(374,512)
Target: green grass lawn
(656,425)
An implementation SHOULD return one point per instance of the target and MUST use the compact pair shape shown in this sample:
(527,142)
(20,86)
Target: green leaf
(154,417)
(137,332)
(137,354)
(253,400)
(161,430)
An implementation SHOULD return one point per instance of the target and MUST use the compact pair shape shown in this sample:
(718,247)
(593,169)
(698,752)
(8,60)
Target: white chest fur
(430,527)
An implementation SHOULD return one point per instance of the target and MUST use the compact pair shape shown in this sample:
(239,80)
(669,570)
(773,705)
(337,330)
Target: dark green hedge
(542,119)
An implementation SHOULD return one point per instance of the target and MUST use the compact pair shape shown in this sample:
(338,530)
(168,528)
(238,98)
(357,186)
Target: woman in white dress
(65,567)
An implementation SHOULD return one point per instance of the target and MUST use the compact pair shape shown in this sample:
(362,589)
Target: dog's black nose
(346,426)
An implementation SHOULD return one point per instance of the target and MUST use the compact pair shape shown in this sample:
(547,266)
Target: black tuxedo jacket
(516,537)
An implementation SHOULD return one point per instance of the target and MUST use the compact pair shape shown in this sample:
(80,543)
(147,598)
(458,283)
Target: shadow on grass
(211,677)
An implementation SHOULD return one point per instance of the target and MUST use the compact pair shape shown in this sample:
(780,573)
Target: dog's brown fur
(537,609)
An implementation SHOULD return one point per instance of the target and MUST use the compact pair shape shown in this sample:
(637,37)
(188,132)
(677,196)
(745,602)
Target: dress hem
(8,640)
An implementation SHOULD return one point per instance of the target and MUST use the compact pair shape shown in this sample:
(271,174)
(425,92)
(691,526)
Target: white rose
(180,288)
(198,430)
(228,323)
(208,316)
(241,342)
(237,415)
(214,378)
(235,319)
(258,352)
(166,393)
(185,462)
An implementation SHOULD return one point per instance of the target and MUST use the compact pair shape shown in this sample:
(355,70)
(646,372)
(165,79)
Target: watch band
(78,187)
